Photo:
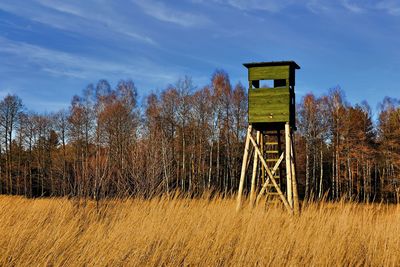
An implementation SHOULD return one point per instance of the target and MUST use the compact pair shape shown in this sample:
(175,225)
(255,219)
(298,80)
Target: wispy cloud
(103,15)
(268,5)
(317,6)
(86,18)
(390,7)
(353,7)
(163,12)
(57,63)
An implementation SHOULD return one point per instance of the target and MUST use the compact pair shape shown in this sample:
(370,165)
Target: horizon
(51,50)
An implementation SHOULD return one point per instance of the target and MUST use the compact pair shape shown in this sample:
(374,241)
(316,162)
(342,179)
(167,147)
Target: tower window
(280,83)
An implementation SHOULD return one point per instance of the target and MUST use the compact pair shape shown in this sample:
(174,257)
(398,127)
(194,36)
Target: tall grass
(176,232)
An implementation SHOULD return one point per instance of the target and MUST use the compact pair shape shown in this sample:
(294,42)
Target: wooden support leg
(296,206)
(288,160)
(254,173)
(244,167)
(262,152)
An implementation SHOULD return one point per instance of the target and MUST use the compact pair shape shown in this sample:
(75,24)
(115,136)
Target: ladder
(272,150)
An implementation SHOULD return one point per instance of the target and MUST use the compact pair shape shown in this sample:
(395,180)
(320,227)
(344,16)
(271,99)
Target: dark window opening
(280,83)
(255,84)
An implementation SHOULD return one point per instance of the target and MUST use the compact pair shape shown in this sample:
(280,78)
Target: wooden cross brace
(270,175)
(264,187)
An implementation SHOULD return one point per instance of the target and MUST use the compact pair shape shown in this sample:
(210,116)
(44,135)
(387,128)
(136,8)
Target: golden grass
(178,232)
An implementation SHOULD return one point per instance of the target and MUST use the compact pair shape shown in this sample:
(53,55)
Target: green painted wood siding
(269,105)
(269,73)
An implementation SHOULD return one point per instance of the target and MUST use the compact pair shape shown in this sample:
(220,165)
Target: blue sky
(52,49)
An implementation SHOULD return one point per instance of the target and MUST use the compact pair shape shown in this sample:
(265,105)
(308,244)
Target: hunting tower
(271,115)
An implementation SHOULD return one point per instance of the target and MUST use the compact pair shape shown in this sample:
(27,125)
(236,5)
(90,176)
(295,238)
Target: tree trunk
(321,175)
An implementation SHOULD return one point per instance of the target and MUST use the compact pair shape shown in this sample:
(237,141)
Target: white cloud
(57,63)
(390,7)
(316,6)
(353,7)
(268,5)
(100,14)
(64,7)
(83,17)
(162,12)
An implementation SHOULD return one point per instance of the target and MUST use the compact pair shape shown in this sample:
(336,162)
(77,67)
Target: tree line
(190,139)
(347,153)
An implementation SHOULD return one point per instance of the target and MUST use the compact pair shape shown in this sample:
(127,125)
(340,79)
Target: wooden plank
(267,118)
(263,109)
(254,173)
(269,73)
(262,153)
(267,101)
(269,105)
(244,166)
(289,170)
(282,107)
(277,105)
(269,113)
(296,206)
(270,90)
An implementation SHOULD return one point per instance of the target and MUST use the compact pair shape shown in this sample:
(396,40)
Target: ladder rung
(272,152)
(272,160)
(271,143)
(271,185)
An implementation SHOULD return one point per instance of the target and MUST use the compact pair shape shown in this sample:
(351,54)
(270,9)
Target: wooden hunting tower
(274,103)
(271,113)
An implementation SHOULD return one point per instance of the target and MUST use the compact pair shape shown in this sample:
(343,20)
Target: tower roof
(272,63)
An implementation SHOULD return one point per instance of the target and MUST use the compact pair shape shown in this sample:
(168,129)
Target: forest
(190,138)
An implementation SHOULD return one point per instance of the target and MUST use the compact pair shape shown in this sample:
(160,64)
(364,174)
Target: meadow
(208,232)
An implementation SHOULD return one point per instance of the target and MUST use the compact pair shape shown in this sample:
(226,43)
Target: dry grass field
(180,232)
